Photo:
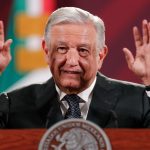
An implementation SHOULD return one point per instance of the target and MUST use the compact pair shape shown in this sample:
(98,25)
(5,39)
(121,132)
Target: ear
(44,46)
(46,51)
(102,54)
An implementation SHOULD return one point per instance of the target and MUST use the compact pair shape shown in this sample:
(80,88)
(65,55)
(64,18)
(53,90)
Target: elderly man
(74,45)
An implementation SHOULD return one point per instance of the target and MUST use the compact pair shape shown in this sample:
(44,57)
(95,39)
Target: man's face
(72,57)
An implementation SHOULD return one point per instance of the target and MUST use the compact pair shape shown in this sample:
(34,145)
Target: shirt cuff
(148,93)
(147,88)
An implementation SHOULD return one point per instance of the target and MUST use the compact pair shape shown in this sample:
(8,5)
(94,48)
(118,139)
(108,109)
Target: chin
(71,86)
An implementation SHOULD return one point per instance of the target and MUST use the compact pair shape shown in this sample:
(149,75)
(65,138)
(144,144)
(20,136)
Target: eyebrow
(84,45)
(80,44)
(61,42)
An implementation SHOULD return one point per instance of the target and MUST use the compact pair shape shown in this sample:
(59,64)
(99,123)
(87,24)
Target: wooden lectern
(121,139)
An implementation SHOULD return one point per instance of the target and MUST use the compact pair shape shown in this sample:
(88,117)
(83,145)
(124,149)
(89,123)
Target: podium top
(121,139)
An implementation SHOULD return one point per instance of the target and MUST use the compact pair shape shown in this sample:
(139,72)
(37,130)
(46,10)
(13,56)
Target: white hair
(66,15)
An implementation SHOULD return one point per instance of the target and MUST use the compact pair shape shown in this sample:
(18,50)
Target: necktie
(73,110)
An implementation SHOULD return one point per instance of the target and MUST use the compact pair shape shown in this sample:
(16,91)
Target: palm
(5,56)
(4,60)
(140,64)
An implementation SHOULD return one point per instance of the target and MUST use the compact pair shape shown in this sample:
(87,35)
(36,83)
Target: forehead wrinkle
(72,29)
(69,34)
(65,41)
(73,35)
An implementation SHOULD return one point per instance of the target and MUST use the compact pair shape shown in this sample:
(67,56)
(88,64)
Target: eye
(83,51)
(62,49)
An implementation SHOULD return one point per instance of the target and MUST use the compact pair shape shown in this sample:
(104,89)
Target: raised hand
(5,56)
(140,64)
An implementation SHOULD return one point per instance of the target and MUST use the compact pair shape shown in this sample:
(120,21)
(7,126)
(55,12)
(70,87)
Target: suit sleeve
(146,108)
(4,110)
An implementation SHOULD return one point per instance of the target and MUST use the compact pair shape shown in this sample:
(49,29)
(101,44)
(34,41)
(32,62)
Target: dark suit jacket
(114,104)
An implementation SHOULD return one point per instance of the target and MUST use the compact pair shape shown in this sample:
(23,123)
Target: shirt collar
(84,95)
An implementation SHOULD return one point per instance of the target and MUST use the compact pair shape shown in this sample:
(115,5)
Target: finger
(137,37)
(7,44)
(6,50)
(129,57)
(145,31)
(149,31)
(1,45)
(1,31)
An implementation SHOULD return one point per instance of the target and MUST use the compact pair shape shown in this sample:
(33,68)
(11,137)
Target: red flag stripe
(49,6)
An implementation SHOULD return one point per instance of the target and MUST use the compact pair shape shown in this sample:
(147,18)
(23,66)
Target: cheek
(56,62)
(90,67)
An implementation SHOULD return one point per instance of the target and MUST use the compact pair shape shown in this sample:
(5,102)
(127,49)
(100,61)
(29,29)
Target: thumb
(129,57)
(7,44)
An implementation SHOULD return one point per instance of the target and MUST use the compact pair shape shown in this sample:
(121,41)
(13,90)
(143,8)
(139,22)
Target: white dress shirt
(86,96)
(148,93)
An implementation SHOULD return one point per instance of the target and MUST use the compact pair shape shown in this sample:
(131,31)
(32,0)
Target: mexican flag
(26,27)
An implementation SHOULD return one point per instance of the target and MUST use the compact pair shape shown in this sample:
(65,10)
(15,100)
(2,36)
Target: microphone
(4,109)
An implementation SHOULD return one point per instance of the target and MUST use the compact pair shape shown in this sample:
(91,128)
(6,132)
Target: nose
(72,57)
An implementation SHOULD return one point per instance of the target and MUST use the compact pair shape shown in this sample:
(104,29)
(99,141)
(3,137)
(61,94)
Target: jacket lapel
(48,105)
(54,115)
(104,100)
